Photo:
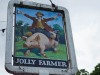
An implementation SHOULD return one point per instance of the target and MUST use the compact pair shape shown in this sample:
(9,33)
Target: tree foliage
(96,71)
(82,72)
(20,29)
(60,33)
(19,23)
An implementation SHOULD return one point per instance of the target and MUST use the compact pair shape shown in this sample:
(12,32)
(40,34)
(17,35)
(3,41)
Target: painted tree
(57,27)
(19,23)
(60,33)
(25,28)
(18,30)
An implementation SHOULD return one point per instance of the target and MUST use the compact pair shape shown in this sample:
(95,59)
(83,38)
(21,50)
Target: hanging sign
(38,38)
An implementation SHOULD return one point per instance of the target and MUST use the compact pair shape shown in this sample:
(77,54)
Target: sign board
(39,39)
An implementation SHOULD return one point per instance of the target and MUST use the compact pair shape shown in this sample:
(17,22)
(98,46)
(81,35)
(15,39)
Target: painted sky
(32,12)
(85,23)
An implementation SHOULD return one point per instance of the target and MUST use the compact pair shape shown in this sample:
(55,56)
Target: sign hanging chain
(54,7)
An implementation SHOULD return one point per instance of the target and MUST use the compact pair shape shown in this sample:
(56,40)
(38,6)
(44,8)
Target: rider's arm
(50,19)
(28,16)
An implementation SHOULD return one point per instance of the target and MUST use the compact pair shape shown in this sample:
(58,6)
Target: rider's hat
(39,13)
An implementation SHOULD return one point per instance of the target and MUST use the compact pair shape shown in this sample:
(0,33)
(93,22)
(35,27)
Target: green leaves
(82,72)
(96,71)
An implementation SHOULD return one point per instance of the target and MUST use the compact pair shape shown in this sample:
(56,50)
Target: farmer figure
(40,24)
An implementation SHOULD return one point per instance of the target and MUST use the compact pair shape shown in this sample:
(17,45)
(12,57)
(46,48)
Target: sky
(31,12)
(85,23)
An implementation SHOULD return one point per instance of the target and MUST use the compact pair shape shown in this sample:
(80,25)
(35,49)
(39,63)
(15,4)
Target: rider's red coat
(44,22)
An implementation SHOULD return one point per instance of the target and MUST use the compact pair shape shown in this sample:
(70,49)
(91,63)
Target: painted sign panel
(40,39)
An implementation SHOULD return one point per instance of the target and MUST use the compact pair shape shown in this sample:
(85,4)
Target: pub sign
(37,38)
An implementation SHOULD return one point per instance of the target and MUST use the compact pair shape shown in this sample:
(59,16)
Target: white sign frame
(10,43)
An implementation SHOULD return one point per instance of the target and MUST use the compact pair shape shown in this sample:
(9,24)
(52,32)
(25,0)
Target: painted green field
(61,54)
